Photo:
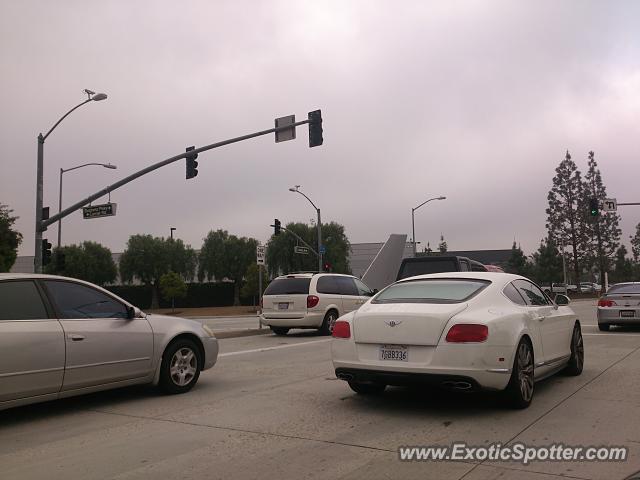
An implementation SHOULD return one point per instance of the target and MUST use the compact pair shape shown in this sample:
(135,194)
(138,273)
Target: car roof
(498,277)
(312,274)
(14,276)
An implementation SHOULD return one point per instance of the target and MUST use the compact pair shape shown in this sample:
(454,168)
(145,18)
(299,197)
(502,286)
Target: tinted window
(532,294)
(363,290)
(464,266)
(347,286)
(629,288)
(20,301)
(512,294)
(288,286)
(327,284)
(411,269)
(431,291)
(79,301)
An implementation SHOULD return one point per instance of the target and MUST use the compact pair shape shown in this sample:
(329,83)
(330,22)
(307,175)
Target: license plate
(627,313)
(398,353)
(283,306)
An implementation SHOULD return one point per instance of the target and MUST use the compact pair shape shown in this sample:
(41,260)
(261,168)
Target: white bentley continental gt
(459,330)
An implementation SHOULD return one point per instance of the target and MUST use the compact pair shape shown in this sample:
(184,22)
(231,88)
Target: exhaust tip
(345,376)
(457,385)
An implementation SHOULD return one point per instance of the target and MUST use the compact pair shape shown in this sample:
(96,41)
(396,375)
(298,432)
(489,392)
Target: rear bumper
(449,382)
(308,320)
(610,315)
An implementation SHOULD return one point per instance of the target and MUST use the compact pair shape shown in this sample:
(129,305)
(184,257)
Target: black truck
(411,267)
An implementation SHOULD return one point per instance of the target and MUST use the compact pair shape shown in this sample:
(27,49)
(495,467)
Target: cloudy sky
(475,100)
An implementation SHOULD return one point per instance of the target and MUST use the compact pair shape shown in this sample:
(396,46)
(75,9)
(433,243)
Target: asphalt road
(272,408)
(227,324)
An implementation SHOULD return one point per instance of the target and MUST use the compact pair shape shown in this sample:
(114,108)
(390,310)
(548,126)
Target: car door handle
(75,337)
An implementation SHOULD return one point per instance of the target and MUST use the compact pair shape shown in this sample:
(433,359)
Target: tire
(367,388)
(603,327)
(519,391)
(280,330)
(576,361)
(181,365)
(328,322)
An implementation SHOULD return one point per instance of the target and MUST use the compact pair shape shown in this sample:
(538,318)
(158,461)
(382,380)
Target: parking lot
(272,408)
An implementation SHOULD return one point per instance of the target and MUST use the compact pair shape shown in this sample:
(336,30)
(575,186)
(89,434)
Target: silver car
(619,306)
(61,337)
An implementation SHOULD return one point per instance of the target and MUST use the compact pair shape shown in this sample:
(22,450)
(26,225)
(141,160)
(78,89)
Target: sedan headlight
(208,330)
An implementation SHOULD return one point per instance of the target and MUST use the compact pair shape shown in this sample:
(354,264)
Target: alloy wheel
(183,367)
(525,371)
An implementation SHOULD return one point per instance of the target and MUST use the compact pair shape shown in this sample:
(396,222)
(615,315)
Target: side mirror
(375,290)
(562,300)
(133,312)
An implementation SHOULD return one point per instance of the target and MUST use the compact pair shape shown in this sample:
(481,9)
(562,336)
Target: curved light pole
(296,189)
(37,261)
(62,170)
(413,222)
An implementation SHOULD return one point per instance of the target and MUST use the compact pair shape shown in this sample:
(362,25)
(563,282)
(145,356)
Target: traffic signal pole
(41,225)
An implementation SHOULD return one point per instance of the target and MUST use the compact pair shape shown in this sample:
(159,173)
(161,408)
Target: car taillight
(606,303)
(341,329)
(312,301)
(467,332)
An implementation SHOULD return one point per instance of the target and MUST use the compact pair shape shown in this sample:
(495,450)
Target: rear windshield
(411,269)
(630,288)
(431,291)
(288,286)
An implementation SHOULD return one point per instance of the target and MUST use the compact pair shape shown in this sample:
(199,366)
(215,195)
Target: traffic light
(327,267)
(192,165)
(593,207)
(315,128)
(46,252)
(276,227)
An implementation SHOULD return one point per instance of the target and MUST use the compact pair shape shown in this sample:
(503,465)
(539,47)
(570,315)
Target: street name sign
(260,254)
(301,250)
(287,134)
(98,211)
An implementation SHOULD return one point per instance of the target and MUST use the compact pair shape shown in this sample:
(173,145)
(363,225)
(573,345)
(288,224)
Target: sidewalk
(241,311)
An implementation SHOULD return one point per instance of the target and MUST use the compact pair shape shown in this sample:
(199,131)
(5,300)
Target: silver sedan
(619,306)
(61,337)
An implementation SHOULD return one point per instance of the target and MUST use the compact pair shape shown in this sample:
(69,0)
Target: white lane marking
(266,349)
(614,334)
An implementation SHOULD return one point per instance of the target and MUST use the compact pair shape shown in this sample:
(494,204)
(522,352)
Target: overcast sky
(474,100)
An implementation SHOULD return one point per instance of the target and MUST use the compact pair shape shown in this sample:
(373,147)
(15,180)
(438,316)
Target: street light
(62,170)
(413,222)
(296,189)
(37,261)
(172,229)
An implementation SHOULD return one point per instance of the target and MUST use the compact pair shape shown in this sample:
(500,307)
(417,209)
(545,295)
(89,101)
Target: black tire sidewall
(325,329)
(513,392)
(166,382)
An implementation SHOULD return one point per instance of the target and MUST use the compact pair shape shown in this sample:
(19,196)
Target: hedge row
(198,295)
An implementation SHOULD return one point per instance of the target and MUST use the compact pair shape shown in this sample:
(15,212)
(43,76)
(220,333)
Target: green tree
(281,258)
(172,286)
(10,239)
(566,213)
(147,258)
(623,269)
(251,283)
(635,244)
(226,256)
(518,262)
(442,246)
(547,263)
(88,261)
(603,231)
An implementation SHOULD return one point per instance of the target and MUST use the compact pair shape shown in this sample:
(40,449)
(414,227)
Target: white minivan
(311,300)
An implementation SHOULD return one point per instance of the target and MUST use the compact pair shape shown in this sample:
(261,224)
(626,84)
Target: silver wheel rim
(578,348)
(184,365)
(525,371)
(331,321)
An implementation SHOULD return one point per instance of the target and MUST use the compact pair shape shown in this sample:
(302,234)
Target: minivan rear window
(288,286)
(411,269)
(446,290)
